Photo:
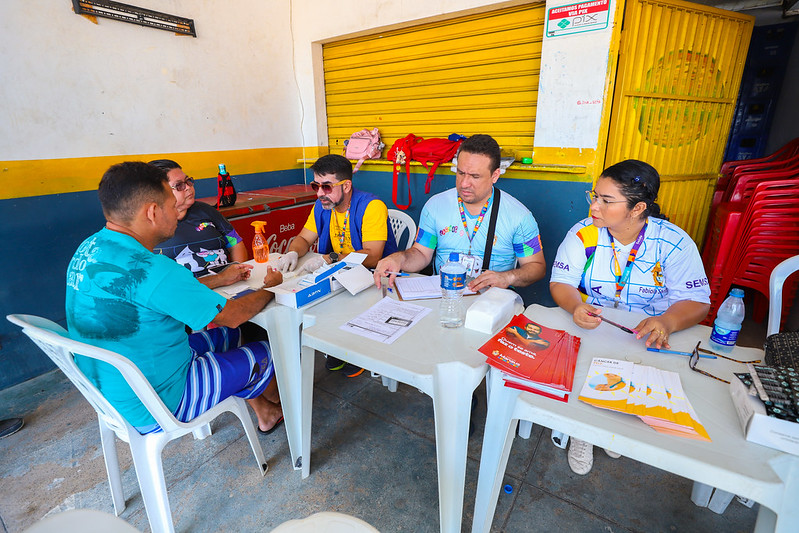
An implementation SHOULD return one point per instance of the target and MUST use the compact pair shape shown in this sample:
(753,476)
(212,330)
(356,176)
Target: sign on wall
(578,18)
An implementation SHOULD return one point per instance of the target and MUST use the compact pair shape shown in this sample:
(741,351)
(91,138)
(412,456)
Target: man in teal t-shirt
(123,297)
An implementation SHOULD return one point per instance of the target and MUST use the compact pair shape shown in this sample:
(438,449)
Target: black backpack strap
(491,227)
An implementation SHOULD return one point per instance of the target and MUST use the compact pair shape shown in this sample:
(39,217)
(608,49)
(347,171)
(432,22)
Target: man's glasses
(695,359)
(327,188)
(180,186)
(703,350)
(592,196)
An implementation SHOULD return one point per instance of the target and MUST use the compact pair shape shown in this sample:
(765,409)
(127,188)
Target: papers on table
(655,396)
(355,278)
(534,358)
(386,321)
(422,287)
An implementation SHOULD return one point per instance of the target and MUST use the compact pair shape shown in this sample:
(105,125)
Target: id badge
(473,265)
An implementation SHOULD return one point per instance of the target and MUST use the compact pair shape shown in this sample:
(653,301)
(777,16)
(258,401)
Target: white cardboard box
(289,293)
(760,428)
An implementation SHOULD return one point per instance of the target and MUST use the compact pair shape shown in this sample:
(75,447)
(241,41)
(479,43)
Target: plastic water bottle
(728,322)
(453,281)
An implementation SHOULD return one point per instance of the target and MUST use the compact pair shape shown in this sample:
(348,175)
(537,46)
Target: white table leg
(283,324)
(787,511)
(307,363)
(497,441)
(453,386)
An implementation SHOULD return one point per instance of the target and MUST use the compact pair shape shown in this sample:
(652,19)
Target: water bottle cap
(737,293)
(222,168)
(454,257)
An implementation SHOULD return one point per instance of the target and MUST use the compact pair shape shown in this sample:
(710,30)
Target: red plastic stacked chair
(749,237)
(789,150)
(747,172)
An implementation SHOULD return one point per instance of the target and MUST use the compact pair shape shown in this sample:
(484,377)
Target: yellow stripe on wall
(41,177)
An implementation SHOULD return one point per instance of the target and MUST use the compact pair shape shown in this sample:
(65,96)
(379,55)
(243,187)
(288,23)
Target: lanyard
(476,225)
(343,229)
(623,278)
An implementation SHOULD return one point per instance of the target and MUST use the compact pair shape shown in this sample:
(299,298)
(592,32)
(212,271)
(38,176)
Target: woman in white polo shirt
(626,255)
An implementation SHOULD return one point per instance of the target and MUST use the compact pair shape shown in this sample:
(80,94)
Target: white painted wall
(74,89)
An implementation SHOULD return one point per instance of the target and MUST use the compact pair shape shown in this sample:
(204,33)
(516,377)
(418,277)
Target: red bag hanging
(400,153)
(435,151)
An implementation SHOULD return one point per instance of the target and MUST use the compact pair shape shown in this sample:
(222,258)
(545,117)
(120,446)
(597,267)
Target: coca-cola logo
(282,246)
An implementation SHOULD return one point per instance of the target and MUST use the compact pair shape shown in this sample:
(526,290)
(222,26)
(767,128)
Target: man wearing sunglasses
(343,220)
(204,241)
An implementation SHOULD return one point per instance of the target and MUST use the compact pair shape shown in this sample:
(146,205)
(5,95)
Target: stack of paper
(655,396)
(534,358)
(422,288)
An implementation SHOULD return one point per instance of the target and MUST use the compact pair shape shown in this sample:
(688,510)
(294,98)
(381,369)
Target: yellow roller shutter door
(679,71)
(472,74)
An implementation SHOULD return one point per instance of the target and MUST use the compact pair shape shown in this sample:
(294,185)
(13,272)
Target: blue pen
(398,274)
(680,353)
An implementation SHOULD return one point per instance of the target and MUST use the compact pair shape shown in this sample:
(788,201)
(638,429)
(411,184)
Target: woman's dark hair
(638,182)
(164,164)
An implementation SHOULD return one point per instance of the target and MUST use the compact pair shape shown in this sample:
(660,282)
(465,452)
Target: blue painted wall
(45,231)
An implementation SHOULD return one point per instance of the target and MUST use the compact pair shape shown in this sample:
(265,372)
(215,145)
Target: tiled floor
(373,457)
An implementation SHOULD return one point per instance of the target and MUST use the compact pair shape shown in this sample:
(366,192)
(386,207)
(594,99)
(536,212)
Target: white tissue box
(493,309)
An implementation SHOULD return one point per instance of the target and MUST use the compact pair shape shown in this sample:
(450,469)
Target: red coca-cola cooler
(284,209)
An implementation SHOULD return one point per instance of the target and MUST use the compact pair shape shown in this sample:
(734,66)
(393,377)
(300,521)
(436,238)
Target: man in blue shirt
(123,297)
(457,220)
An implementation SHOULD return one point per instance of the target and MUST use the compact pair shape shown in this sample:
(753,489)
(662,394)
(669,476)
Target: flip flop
(268,431)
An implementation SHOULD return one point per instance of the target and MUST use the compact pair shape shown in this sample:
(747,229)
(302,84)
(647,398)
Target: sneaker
(612,455)
(333,364)
(10,426)
(352,371)
(581,456)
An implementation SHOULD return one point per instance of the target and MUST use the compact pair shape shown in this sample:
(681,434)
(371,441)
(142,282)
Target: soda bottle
(728,322)
(453,281)
(225,192)
(260,248)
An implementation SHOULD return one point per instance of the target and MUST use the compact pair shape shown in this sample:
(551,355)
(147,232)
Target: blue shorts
(221,368)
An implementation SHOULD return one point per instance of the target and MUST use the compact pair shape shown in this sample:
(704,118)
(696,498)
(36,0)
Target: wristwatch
(333,257)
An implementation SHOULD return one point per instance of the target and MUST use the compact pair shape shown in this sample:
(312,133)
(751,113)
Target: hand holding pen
(612,323)
(657,335)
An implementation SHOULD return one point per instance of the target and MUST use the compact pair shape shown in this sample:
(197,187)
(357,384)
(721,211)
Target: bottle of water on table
(453,281)
(728,322)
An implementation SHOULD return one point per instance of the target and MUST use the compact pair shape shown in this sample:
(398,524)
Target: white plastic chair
(146,449)
(775,283)
(399,223)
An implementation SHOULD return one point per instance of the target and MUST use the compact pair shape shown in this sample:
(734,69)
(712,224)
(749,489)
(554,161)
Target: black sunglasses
(327,188)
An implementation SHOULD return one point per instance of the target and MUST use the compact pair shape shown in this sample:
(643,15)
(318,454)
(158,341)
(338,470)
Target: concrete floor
(373,457)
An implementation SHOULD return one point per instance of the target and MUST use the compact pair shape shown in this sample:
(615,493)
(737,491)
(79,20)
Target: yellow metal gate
(680,68)
(472,74)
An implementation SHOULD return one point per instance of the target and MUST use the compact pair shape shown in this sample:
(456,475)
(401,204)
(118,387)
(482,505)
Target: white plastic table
(729,462)
(443,363)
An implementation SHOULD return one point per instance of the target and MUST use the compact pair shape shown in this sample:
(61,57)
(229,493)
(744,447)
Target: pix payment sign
(578,18)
